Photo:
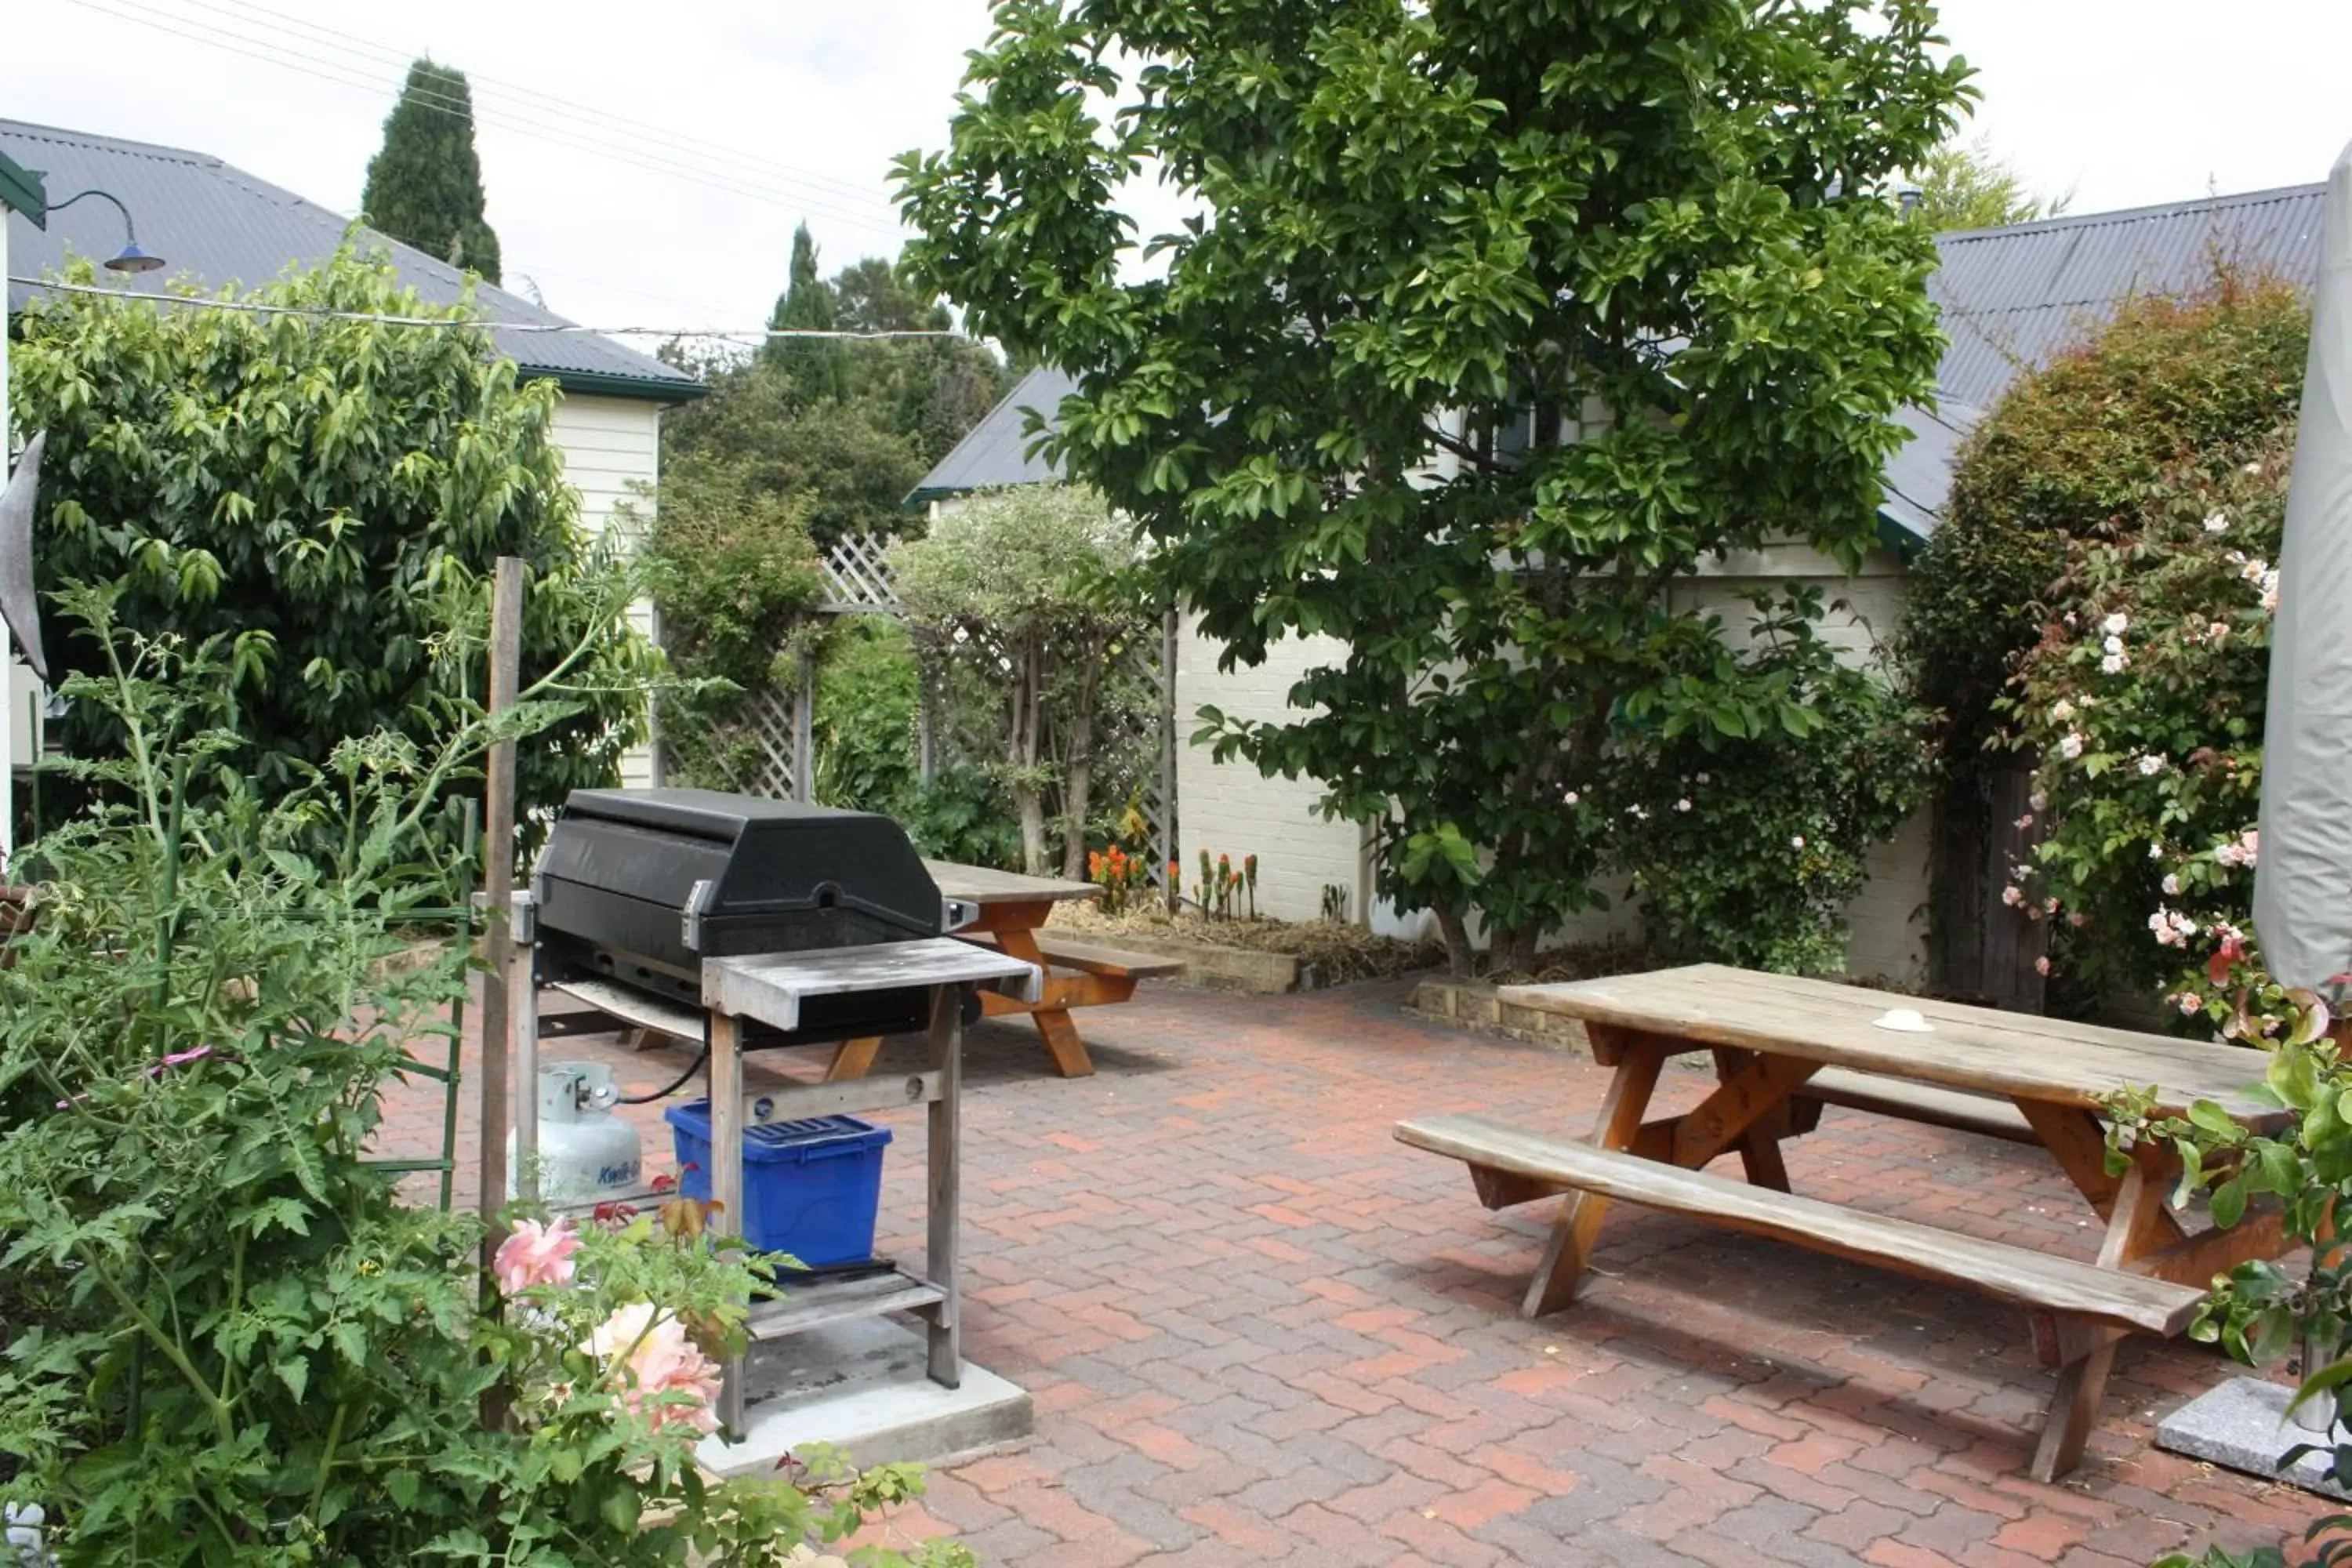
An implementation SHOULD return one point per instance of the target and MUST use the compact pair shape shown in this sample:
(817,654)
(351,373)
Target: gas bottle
(584,1150)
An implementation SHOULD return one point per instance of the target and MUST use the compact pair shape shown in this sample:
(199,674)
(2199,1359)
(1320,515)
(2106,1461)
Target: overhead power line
(631,149)
(352,43)
(549,329)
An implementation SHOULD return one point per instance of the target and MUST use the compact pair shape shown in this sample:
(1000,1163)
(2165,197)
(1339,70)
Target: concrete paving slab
(861,1387)
(2242,1426)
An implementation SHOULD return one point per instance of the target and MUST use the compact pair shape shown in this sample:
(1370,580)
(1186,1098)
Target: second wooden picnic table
(1014,909)
(1783,1047)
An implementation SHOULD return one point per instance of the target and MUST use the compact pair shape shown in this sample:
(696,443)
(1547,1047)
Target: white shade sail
(2303,878)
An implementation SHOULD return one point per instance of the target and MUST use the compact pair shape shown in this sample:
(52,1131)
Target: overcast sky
(645,162)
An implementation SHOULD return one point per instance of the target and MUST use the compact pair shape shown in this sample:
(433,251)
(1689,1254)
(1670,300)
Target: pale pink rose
(536,1255)
(652,1355)
(2041,966)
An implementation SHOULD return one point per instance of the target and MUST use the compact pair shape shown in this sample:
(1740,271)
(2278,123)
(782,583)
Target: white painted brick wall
(1229,808)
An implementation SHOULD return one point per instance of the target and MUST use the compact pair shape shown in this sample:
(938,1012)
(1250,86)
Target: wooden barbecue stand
(768,989)
(1783,1047)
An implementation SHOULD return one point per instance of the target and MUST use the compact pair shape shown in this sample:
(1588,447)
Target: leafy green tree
(330,495)
(849,456)
(1962,184)
(813,366)
(1020,595)
(838,462)
(1495,320)
(424,184)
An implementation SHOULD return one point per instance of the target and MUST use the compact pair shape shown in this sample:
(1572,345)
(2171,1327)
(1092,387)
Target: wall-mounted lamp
(130,258)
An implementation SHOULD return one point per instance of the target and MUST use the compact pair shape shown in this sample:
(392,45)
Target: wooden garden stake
(497,891)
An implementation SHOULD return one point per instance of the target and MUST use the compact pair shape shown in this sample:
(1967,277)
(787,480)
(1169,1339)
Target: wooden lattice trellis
(857,580)
(857,576)
(777,765)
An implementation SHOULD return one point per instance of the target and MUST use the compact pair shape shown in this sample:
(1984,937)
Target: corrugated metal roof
(2014,296)
(2011,297)
(220,224)
(996,451)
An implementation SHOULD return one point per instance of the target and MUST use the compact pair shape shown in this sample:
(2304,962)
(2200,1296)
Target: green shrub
(1746,845)
(869,718)
(868,755)
(2144,703)
(2079,451)
(331,494)
(736,581)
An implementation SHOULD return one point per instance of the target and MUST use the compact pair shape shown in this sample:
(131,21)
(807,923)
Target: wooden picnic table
(1770,1038)
(1013,908)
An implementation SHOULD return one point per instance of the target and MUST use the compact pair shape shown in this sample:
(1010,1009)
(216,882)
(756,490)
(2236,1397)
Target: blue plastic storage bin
(810,1188)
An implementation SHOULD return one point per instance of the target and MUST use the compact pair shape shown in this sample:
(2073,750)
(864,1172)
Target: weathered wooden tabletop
(2015,1054)
(768,989)
(985,885)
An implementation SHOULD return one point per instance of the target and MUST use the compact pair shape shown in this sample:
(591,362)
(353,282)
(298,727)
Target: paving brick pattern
(1260,1331)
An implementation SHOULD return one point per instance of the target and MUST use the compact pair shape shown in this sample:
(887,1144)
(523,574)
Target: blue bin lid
(784,1140)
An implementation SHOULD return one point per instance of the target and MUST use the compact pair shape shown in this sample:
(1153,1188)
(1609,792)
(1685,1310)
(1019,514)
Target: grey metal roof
(996,451)
(221,225)
(2011,297)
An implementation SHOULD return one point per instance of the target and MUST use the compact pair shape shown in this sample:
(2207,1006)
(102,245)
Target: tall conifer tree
(425,186)
(815,365)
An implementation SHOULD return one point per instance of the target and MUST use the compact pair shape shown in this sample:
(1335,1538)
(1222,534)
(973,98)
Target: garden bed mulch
(1319,952)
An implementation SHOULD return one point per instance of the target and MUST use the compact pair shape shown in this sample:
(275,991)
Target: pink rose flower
(652,1356)
(536,1254)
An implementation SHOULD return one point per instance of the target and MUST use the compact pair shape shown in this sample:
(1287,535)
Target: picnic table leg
(2137,1226)
(851,1058)
(1760,1145)
(2079,1143)
(1561,1271)
(1053,1024)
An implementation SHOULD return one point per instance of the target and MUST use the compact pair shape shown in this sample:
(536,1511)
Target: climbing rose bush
(2144,702)
(1746,842)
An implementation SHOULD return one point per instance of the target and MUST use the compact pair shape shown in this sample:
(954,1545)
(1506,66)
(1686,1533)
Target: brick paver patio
(1259,1330)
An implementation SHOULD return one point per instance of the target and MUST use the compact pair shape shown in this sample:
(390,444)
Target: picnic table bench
(1013,910)
(1781,1047)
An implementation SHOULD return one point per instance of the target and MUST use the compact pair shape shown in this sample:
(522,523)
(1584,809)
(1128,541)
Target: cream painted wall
(611,446)
(1229,808)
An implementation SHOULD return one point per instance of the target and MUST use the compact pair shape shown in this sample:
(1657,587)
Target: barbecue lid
(733,858)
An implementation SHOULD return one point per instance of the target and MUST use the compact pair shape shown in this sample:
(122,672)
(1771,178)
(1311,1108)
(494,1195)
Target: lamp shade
(131,258)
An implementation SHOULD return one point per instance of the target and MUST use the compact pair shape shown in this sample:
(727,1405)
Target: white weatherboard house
(2010,297)
(219,224)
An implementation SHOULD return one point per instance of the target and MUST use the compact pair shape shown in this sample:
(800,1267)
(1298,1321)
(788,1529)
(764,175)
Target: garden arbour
(915,723)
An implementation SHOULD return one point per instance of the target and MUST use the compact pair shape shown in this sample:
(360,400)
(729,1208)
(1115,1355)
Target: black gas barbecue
(743,923)
(638,888)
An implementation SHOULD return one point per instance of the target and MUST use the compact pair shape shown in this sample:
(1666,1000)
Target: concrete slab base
(2242,1426)
(860,1387)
